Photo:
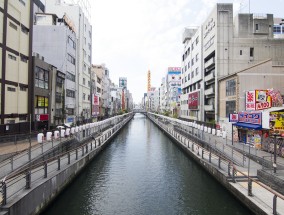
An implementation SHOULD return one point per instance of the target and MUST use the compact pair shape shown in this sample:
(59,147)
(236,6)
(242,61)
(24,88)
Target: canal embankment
(240,180)
(31,190)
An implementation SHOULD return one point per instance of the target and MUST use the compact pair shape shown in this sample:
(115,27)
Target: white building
(55,40)
(78,13)
(192,75)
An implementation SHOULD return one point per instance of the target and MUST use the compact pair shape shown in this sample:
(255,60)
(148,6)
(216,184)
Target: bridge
(139,111)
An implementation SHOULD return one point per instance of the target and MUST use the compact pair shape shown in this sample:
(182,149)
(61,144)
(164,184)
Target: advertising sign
(258,100)
(193,100)
(42,117)
(250,100)
(95,99)
(233,117)
(276,120)
(262,100)
(250,117)
(95,110)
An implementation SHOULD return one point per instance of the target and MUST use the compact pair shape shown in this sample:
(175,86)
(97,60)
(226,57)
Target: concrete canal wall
(220,175)
(45,190)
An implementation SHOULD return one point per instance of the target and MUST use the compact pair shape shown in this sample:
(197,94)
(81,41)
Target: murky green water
(143,172)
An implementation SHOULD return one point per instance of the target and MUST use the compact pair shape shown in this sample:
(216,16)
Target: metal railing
(233,173)
(25,178)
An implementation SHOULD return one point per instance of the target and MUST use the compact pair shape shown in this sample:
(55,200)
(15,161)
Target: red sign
(42,117)
(95,100)
(193,100)
(234,117)
(257,100)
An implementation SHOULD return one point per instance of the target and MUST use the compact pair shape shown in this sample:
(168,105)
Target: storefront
(249,126)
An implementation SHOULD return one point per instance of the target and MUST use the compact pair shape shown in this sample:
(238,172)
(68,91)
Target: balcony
(209,63)
(210,77)
(209,91)
(208,107)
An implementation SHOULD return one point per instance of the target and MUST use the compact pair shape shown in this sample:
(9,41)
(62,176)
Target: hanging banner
(193,100)
(96,100)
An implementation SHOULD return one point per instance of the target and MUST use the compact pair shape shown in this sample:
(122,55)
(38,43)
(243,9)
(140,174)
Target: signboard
(250,100)
(96,99)
(233,117)
(276,121)
(250,117)
(95,110)
(262,100)
(258,100)
(193,100)
(42,117)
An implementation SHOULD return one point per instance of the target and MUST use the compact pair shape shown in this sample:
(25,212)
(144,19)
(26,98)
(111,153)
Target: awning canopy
(248,125)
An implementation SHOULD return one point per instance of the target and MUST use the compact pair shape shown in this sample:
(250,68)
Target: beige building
(15,62)
(264,75)
(98,91)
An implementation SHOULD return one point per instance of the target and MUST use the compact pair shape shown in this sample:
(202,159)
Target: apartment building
(16,23)
(59,49)
(79,13)
(192,76)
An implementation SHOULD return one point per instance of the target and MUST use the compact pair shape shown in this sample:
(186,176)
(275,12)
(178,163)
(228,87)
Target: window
(192,46)
(231,87)
(251,50)
(84,81)
(196,71)
(12,25)
(277,29)
(41,78)
(11,89)
(192,74)
(84,67)
(89,45)
(89,84)
(188,76)
(89,58)
(23,2)
(241,52)
(230,107)
(188,64)
(71,43)
(70,93)
(70,111)
(196,57)
(197,40)
(192,61)
(24,58)
(256,27)
(84,96)
(41,104)
(12,57)
(71,59)
(70,76)
(24,29)
(89,97)
(23,88)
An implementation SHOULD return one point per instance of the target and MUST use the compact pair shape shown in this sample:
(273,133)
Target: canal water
(143,172)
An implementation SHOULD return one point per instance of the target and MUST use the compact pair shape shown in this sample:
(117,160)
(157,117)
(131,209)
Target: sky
(133,36)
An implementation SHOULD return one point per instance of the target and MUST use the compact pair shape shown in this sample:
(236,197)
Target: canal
(143,172)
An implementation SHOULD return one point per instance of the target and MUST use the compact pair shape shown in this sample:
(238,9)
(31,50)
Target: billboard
(193,100)
(276,121)
(258,100)
(96,100)
(250,117)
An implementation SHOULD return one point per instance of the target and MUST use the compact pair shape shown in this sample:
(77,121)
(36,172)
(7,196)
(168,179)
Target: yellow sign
(277,120)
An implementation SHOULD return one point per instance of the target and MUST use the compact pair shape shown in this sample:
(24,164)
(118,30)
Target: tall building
(174,89)
(192,75)
(16,23)
(79,13)
(61,52)
(278,28)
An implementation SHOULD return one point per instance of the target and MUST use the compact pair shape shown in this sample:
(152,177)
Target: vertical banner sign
(95,100)
(193,100)
(250,100)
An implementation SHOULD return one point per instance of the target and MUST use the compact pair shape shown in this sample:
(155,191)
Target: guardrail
(232,171)
(25,178)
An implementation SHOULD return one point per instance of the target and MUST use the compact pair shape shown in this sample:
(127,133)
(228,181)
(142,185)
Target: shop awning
(247,125)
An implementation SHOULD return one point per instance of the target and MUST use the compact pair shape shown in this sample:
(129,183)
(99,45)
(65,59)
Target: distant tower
(149,81)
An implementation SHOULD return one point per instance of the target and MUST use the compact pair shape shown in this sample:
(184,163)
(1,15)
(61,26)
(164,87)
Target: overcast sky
(133,36)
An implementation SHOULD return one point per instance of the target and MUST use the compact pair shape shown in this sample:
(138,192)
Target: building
(99,71)
(173,79)
(192,76)
(48,94)
(77,14)
(61,53)
(16,23)
(233,88)
(278,28)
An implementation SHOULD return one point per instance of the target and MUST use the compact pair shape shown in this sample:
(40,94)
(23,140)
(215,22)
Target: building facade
(61,53)
(16,23)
